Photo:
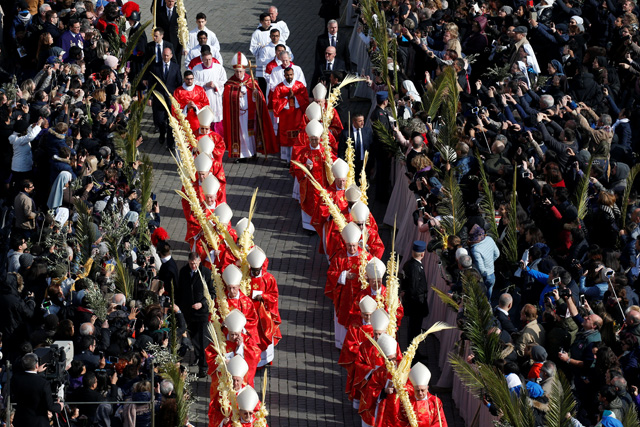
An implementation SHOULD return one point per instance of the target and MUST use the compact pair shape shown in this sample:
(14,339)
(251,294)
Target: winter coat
(14,310)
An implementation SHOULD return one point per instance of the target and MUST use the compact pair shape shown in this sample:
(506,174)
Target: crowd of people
(538,159)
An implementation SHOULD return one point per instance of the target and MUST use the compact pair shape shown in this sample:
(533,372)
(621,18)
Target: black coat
(170,27)
(191,291)
(415,288)
(33,396)
(342,49)
(169,275)
(505,322)
(14,311)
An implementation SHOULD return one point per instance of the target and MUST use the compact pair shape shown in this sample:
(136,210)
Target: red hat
(159,234)
(129,7)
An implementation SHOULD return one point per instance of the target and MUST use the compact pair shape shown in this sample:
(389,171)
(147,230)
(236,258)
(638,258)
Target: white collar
(317,148)
(165,259)
(505,312)
(188,88)
(289,84)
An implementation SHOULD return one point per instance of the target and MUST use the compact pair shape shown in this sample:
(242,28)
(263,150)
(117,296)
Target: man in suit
(382,157)
(32,394)
(502,314)
(169,72)
(362,139)
(327,66)
(190,298)
(138,56)
(414,290)
(167,19)
(156,47)
(330,38)
(169,270)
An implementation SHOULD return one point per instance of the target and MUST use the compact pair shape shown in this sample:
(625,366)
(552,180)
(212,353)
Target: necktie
(329,66)
(166,70)
(358,144)
(333,41)
(158,53)
(169,14)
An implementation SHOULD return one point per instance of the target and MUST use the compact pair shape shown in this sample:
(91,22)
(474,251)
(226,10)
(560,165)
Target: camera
(564,293)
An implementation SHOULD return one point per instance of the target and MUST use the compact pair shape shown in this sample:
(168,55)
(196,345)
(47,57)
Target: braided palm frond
(405,364)
(246,244)
(350,156)
(364,185)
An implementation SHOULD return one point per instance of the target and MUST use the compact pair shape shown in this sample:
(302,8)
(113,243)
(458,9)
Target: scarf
(57,190)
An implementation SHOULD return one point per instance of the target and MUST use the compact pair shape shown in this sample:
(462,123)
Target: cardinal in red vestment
(247,127)
(192,98)
(427,407)
(290,100)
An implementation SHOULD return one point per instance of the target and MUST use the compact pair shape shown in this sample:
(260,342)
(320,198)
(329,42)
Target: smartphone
(101,354)
(112,359)
(533,15)
(582,299)
(555,281)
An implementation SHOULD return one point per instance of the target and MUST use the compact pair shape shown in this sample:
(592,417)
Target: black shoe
(161,140)
(202,372)
(243,160)
(310,233)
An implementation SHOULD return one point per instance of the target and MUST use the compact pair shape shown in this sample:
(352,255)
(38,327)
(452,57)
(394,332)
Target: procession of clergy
(236,117)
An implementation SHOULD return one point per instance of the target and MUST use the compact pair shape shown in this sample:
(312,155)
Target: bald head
(167,54)
(505,301)
(633,317)
(330,53)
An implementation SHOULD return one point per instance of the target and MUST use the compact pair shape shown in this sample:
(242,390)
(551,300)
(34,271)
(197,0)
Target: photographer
(32,394)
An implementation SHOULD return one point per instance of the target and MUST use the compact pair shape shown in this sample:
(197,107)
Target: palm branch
(484,380)
(561,402)
(582,192)
(145,175)
(445,94)
(446,299)
(130,45)
(387,139)
(136,82)
(510,243)
(627,191)
(487,203)
(85,231)
(631,418)
(479,320)
(172,373)
(451,208)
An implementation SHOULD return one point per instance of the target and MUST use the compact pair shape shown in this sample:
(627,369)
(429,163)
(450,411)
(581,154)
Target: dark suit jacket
(415,288)
(191,290)
(32,393)
(342,49)
(169,275)
(151,50)
(367,139)
(505,323)
(172,80)
(170,28)
(321,72)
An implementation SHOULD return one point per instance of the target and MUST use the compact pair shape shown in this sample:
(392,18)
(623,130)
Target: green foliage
(386,138)
(451,207)
(582,192)
(479,320)
(85,231)
(96,301)
(384,48)
(510,243)
(627,191)
(122,278)
(487,203)
(145,176)
(561,402)
(444,102)
(127,49)
(136,82)
(631,418)
(446,299)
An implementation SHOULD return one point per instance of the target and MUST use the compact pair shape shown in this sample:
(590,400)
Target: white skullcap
(205,116)
(379,320)
(340,169)
(359,212)
(210,185)
(203,163)
(351,233)
(206,146)
(224,213)
(232,275)
(388,345)
(235,321)
(320,91)
(314,111)
(247,399)
(237,367)
(375,269)
(256,257)
(419,375)
(367,305)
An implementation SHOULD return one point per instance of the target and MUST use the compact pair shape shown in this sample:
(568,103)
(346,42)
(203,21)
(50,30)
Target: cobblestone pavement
(305,384)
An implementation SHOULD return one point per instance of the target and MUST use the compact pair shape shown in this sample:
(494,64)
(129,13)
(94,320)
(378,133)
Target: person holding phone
(557,278)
